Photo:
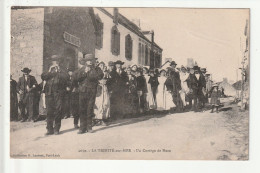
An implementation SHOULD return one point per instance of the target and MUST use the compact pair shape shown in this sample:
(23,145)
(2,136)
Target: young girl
(215,95)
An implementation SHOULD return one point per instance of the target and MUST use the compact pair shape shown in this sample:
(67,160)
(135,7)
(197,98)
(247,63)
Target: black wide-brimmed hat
(173,63)
(196,67)
(119,62)
(26,70)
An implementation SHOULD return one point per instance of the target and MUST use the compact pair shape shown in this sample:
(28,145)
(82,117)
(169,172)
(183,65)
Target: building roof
(129,25)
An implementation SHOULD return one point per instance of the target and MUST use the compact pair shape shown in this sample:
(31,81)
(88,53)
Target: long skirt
(168,101)
(161,98)
(102,103)
(150,102)
(42,105)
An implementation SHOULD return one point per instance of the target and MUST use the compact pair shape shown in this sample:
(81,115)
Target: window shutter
(139,54)
(117,43)
(112,41)
(131,49)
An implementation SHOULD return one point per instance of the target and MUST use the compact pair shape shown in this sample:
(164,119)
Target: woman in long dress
(161,94)
(131,106)
(150,102)
(102,103)
(184,87)
(168,96)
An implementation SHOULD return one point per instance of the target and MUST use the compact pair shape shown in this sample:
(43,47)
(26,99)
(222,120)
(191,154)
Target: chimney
(115,20)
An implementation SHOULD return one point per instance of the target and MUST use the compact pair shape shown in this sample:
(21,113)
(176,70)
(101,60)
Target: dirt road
(186,136)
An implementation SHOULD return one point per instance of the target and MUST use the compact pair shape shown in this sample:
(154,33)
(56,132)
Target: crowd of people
(97,93)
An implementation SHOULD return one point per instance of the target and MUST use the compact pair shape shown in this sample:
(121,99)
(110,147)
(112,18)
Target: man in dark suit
(88,77)
(13,100)
(202,87)
(194,86)
(55,88)
(27,89)
(173,84)
(118,87)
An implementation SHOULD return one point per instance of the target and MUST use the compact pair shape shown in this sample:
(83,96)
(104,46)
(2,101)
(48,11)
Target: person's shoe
(90,130)
(23,120)
(76,126)
(81,132)
(48,133)
(56,133)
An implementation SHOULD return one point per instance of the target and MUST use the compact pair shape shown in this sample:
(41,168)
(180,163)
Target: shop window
(128,47)
(99,33)
(115,41)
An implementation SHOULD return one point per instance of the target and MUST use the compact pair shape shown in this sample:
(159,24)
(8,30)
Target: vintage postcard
(129,83)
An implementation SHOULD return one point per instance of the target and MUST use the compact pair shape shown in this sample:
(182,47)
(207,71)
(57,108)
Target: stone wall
(75,21)
(27,41)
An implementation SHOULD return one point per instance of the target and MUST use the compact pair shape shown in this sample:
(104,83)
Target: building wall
(105,54)
(27,41)
(75,21)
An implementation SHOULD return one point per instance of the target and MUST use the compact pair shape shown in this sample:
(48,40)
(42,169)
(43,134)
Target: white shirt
(197,76)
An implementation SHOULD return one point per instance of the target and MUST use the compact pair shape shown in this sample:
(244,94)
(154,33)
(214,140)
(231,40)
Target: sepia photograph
(123,83)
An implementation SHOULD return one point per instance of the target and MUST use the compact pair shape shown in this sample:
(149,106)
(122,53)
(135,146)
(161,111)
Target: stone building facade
(37,33)
(27,41)
(133,46)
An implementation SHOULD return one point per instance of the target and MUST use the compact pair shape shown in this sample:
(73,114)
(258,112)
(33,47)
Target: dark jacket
(118,81)
(89,79)
(141,84)
(173,82)
(192,82)
(153,80)
(31,83)
(131,83)
(55,82)
(202,82)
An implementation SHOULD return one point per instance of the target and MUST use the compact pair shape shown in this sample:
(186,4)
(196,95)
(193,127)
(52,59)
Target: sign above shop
(71,39)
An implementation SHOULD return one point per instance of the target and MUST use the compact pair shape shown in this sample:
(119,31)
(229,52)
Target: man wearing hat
(87,78)
(55,88)
(118,90)
(193,85)
(27,89)
(202,87)
(173,85)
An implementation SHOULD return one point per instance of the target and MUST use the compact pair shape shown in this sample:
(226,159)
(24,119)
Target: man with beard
(55,88)
(173,85)
(27,89)
(88,77)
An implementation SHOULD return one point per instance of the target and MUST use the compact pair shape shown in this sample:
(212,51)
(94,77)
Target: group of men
(82,84)
(196,81)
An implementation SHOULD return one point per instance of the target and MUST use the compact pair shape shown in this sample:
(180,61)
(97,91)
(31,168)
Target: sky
(212,37)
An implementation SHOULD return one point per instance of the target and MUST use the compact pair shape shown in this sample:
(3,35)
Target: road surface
(185,136)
